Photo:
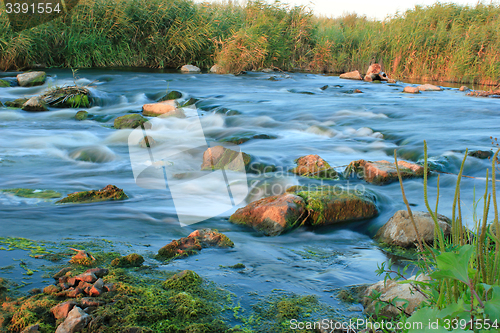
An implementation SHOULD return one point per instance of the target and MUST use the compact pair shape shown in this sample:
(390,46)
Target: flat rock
(391,289)
(109,192)
(31,79)
(193,243)
(190,69)
(399,230)
(411,90)
(35,104)
(383,172)
(273,215)
(429,87)
(354,75)
(164,109)
(75,322)
(313,166)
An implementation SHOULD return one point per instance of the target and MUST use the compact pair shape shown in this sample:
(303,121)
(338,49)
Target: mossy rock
(313,166)
(81,115)
(31,193)
(183,281)
(68,97)
(129,121)
(171,95)
(4,84)
(189,102)
(335,204)
(31,79)
(131,260)
(237,266)
(17,103)
(110,192)
(245,137)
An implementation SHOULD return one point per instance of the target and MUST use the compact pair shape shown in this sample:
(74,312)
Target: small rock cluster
(89,283)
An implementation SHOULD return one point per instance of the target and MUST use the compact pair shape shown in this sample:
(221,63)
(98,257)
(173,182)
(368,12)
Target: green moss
(4,84)
(129,121)
(76,101)
(401,252)
(189,102)
(30,193)
(131,260)
(171,95)
(81,115)
(110,192)
(17,103)
(17,243)
(183,281)
(237,266)
(316,171)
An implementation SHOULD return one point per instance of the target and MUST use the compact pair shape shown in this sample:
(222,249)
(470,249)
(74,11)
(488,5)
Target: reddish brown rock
(313,166)
(383,172)
(87,301)
(61,310)
(52,289)
(84,285)
(481,93)
(163,109)
(73,292)
(193,243)
(273,215)
(108,287)
(97,288)
(219,157)
(374,73)
(86,277)
(62,273)
(110,192)
(99,272)
(463,88)
(76,321)
(71,281)
(354,75)
(411,90)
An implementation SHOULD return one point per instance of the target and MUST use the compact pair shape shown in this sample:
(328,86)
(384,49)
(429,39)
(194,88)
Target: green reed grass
(441,42)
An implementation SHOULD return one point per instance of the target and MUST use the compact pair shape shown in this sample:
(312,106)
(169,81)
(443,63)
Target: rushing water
(38,150)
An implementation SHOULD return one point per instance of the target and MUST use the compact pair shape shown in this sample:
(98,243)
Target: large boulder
(313,166)
(354,75)
(31,79)
(391,289)
(190,69)
(75,322)
(193,243)
(383,172)
(429,87)
(129,121)
(273,215)
(165,109)
(399,230)
(219,157)
(335,204)
(109,192)
(35,103)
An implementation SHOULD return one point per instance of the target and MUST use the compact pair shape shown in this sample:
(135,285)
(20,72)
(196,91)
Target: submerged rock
(429,87)
(109,192)
(163,109)
(94,154)
(411,90)
(238,139)
(399,230)
(355,75)
(273,215)
(313,166)
(31,79)
(75,322)
(131,260)
(190,69)
(17,103)
(31,193)
(81,115)
(391,289)
(193,243)
(334,204)
(383,172)
(219,157)
(129,121)
(482,154)
(172,95)
(35,103)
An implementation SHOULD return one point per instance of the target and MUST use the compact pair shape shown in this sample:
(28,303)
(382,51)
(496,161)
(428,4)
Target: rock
(216,69)
(81,115)
(52,289)
(68,97)
(61,273)
(190,101)
(4,84)
(109,287)
(164,109)
(129,121)
(374,69)
(383,172)
(481,93)
(109,192)
(172,95)
(193,243)
(147,142)
(98,272)
(184,281)
(374,73)
(411,90)
(35,291)
(482,154)
(219,157)
(86,277)
(463,88)
(190,69)
(31,79)
(429,87)
(87,301)
(32,329)
(355,75)
(97,288)
(35,103)
(62,310)
(17,103)
(313,166)
(131,260)
(357,91)
(82,258)
(391,289)
(76,321)
(399,230)
(240,138)
(273,215)
(328,205)
(32,193)
(73,292)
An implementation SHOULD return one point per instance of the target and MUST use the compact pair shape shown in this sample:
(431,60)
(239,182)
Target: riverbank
(443,42)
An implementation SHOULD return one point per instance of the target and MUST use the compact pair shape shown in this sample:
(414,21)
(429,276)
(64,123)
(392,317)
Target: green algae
(31,193)
(237,266)
(398,251)
(17,243)
(131,260)
(4,84)
(17,103)
(110,192)
(171,95)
